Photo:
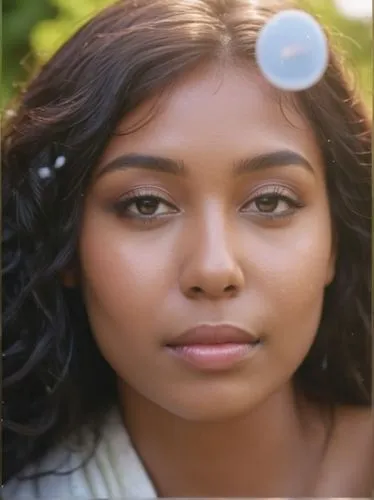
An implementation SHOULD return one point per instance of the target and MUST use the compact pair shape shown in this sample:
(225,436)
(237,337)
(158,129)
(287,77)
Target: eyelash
(276,193)
(133,197)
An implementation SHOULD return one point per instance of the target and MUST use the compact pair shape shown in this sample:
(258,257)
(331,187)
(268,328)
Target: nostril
(197,290)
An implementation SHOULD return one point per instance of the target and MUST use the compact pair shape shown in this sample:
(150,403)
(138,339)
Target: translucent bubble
(44,172)
(292,50)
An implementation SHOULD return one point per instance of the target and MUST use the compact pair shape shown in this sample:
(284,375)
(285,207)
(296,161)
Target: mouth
(214,347)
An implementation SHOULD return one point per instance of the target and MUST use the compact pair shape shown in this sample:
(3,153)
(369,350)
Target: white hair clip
(44,172)
(47,172)
(60,162)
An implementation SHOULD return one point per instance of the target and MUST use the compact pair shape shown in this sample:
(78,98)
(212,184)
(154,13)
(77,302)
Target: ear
(331,265)
(330,274)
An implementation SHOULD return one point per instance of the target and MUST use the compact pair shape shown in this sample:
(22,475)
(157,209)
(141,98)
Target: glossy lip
(214,347)
(213,334)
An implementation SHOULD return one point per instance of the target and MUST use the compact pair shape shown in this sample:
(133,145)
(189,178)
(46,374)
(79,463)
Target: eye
(147,206)
(144,206)
(271,204)
(274,202)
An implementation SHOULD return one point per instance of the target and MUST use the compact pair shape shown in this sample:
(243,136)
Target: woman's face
(220,216)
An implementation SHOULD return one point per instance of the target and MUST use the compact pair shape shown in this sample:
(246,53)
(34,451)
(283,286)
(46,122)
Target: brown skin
(216,256)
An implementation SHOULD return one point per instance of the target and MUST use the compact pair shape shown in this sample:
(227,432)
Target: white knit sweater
(114,472)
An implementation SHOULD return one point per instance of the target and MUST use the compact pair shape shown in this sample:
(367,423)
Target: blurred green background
(34,29)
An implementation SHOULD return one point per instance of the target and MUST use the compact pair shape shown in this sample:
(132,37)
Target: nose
(211,269)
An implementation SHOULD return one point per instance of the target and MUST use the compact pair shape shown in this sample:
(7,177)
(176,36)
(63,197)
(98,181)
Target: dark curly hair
(53,371)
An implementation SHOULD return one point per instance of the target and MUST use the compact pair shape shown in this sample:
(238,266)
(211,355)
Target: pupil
(267,204)
(147,206)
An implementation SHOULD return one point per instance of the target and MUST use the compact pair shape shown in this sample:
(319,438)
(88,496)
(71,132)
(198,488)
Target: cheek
(125,278)
(294,277)
(299,272)
(297,262)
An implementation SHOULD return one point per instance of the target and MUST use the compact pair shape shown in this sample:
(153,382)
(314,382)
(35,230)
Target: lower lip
(214,356)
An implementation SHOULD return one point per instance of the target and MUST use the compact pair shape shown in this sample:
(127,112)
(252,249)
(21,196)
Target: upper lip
(213,334)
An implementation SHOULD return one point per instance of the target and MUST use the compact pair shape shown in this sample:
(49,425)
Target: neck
(269,451)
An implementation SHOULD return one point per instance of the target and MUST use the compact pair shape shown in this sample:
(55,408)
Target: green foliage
(19,17)
(353,38)
(34,29)
(48,35)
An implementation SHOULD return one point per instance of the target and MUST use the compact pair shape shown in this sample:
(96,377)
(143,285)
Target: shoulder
(112,470)
(54,481)
(58,475)
(355,426)
(350,454)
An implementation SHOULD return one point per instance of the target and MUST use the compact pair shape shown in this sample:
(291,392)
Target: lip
(212,348)
(212,335)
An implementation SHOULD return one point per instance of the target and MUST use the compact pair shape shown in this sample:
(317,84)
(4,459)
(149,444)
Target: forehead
(226,112)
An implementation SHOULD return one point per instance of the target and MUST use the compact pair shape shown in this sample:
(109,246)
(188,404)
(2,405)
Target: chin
(211,414)
(215,405)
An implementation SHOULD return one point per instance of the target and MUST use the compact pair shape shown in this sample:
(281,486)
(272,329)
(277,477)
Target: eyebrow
(282,158)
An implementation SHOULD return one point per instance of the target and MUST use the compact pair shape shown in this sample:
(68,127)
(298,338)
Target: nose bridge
(211,267)
(214,241)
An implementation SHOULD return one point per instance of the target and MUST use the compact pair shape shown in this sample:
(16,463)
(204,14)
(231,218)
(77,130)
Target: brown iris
(267,203)
(147,206)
